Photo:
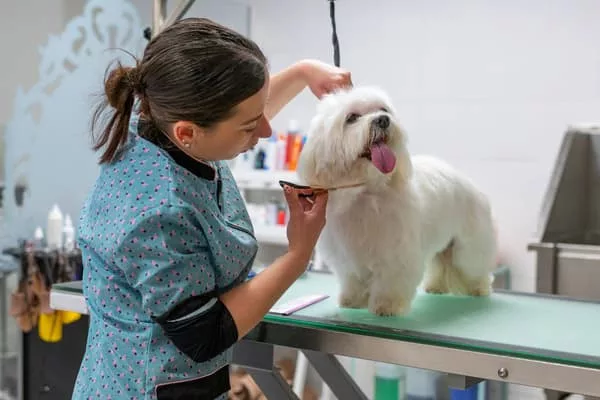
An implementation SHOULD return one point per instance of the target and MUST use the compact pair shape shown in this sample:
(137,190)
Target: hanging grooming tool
(336,61)
(334,37)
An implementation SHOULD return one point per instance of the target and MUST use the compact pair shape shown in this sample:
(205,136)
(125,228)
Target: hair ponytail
(119,92)
(194,70)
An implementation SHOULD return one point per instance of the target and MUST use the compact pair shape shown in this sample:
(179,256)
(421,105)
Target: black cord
(334,37)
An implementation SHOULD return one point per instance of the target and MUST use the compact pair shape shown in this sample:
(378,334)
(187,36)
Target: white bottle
(69,233)
(271,150)
(38,237)
(54,230)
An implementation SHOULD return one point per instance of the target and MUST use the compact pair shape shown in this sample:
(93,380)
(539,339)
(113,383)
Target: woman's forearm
(284,86)
(249,302)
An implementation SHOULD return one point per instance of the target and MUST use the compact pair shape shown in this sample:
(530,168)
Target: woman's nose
(264,130)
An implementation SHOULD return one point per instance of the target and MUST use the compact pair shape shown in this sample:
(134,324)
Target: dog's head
(354,137)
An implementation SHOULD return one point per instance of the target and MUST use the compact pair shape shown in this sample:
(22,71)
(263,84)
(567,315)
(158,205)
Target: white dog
(412,218)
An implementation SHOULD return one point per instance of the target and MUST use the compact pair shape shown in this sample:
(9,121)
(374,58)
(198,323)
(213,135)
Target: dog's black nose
(383,121)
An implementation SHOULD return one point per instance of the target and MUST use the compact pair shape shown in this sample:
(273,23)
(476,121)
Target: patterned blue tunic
(157,228)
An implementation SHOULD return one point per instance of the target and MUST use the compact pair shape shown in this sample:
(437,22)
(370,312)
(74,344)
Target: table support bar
(257,359)
(335,375)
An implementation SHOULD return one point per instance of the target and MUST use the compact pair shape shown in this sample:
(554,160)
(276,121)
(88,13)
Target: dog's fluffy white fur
(421,222)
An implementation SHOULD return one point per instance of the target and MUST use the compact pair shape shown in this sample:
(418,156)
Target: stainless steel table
(507,337)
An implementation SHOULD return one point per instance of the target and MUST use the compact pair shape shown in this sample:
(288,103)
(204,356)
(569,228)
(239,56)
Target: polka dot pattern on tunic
(153,234)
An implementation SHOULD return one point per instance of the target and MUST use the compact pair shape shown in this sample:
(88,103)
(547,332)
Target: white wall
(488,85)
(23,31)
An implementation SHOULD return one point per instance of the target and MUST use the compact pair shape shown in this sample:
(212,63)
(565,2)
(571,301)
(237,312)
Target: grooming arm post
(159,17)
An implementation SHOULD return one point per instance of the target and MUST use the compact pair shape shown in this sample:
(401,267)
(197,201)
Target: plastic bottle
(272,209)
(54,229)
(38,237)
(421,384)
(69,233)
(259,159)
(296,148)
(292,133)
(389,382)
(271,160)
(281,151)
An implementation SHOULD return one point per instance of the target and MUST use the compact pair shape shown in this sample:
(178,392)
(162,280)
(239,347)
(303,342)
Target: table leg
(257,359)
(3,329)
(334,375)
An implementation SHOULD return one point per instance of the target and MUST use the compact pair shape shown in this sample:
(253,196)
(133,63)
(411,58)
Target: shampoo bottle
(293,132)
(271,160)
(54,229)
(69,233)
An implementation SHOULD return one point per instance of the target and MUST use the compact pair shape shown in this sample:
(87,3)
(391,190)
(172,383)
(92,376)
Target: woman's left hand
(323,78)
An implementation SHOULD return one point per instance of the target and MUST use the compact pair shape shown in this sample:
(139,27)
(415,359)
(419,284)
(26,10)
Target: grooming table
(528,339)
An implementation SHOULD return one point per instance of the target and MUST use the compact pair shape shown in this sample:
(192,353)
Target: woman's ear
(184,132)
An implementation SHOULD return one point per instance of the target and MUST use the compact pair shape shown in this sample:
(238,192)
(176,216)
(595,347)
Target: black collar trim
(198,168)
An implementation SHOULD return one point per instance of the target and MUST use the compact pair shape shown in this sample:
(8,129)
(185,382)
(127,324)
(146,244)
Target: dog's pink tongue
(383,158)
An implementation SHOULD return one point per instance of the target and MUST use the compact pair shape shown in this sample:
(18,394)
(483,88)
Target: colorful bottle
(292,133)
(389,382)
(281,151)
(296,148)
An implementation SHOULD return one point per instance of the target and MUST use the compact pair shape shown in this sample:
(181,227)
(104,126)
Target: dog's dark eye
(352,118)
(385,110)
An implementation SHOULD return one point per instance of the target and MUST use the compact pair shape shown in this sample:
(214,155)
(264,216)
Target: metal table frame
(464,367)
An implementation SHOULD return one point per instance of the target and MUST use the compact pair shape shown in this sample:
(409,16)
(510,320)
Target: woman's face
(229,138)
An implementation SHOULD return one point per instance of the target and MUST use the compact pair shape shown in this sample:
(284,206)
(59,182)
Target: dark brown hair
(195,70)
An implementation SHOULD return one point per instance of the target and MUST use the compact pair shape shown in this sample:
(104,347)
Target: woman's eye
(250,130)
(352,118)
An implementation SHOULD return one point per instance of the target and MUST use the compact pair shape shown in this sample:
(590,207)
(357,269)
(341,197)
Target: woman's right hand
(306,222)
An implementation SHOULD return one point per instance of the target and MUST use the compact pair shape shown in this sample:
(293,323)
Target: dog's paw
(433,288)
(388,307)
(353,300)
(480,288)
(480,291)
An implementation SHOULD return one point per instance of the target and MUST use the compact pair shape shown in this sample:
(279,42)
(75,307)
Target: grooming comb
(315,189)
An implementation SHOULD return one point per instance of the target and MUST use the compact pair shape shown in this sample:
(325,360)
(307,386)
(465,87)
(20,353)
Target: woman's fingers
(293,201)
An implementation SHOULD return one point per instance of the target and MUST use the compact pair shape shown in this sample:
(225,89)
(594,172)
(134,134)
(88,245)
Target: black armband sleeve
(201,327)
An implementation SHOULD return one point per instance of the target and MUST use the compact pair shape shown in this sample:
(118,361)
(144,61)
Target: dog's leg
(473,259)
(354,291)
(393,287)
(436,281)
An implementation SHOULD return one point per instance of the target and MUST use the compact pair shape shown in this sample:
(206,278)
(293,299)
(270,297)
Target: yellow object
(50,327)
(69,317)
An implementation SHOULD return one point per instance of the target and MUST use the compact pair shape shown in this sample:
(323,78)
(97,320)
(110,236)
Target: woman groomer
(166,239)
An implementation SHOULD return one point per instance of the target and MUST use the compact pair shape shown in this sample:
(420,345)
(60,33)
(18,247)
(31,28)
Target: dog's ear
(307,161)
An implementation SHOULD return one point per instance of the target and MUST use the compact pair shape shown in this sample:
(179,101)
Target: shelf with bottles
(270,161)
(270,220)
